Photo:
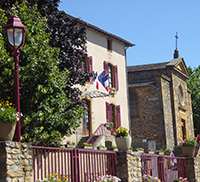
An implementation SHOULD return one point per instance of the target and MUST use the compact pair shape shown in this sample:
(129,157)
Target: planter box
(88,147)
(102,148)
(161,153)
(7,131)
(188,151)
(151,152)
(70,146)
(123,143)
(115,150)
(112,92)
(108,126)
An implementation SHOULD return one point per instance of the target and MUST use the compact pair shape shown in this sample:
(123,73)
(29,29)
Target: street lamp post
(15,34)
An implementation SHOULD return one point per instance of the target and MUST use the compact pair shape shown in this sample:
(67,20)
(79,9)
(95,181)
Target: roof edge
(127,43)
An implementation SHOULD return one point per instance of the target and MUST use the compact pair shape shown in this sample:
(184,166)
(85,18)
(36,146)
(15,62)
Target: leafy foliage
(49,69)
(194,84)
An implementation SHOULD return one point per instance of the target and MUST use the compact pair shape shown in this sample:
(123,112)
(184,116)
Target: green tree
(194,84)
(50,104)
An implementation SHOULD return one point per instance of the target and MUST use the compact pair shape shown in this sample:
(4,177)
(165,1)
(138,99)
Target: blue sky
(150,24)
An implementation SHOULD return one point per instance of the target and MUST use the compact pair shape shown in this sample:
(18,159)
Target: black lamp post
(15,34)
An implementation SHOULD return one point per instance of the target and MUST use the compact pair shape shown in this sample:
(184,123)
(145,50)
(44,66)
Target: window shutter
(90,67)
(107,112)
(116,77)
(105,68)
(90,64)
(118,116)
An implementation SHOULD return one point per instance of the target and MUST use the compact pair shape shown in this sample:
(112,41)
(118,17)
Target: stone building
(160,104)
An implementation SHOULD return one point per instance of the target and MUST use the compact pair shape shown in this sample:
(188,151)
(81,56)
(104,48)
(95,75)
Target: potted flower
(70,144)
(87,146)
(167,151)
(122,138)
(108,125)
(112,91)
(114,148)
(188,147)
(161,152)
(101,147)
(150,151)
(140,150)
(8,120)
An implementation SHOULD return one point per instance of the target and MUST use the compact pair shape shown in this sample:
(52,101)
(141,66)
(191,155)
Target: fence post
(129,166)
(16,161)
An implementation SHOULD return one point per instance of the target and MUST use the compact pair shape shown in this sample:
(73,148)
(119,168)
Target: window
(180,94)
(183,129)
(112,72)
(86,119)
(109,44)
(87,64)
(84,65)
(133,104)
(110,75)
(113,114)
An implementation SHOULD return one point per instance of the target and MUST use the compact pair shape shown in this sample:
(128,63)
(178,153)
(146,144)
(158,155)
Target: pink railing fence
(78,165)
(166,168)
(101,130)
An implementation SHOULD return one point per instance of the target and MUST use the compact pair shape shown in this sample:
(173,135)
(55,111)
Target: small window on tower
(109,44)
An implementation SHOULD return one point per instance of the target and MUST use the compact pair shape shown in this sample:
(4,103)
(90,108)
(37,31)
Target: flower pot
(188,151)
(7,131)
(102,148)
(70,146)
(88,147)
(123,143)
(108,126)
(151,152)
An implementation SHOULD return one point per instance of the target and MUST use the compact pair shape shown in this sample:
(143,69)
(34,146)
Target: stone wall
(129,166)
(182,110)
(167,114)
(15,162)
(193,169)
(147,126)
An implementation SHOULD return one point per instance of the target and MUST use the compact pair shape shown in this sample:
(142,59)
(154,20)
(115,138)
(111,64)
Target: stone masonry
(15,162)
(193,169)
(129,166)
(164,112)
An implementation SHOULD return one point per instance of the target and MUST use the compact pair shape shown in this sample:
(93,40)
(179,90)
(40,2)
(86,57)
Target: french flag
(106,82)
(95,81)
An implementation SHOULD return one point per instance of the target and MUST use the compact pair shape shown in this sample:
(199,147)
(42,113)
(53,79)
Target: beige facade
(114,55)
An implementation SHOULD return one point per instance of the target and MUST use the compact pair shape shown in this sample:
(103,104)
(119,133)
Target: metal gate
(76,164)
(166,168)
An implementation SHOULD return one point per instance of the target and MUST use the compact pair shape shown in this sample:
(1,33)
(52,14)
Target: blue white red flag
(104,80)
(95,80)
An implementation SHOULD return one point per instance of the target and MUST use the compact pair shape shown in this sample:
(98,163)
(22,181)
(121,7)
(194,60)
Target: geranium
(121,132)
(108,178)
(8,112)
(188,142)
(148,178)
